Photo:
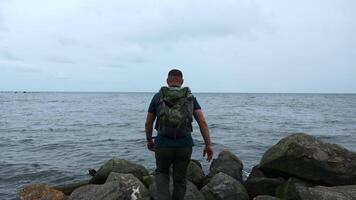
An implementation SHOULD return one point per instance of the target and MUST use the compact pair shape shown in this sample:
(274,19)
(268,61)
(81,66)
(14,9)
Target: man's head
(175,78)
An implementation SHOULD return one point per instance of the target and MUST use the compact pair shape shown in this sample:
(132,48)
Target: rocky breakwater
(298,167)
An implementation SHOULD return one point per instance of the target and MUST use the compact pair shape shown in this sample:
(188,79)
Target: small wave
(26,141)
(220,126)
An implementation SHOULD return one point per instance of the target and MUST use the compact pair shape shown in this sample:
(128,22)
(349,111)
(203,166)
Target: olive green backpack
(175,113)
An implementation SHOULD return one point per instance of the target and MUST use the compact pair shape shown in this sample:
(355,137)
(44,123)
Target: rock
(258,184)
(69,188)
(107,191)
(147,180)
(129,182)
(227,163)
(308,158)
(223,186)
(40,192)
(290,189)
(265,197)
(347,192)
(195,174)
(117,186)
(119,166)
(198,163)
(303,192)
(192,192)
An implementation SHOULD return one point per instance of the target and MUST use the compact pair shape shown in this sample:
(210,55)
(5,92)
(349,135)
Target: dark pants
(179,158)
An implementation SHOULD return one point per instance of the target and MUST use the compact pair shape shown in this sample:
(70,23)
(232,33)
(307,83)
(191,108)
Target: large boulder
(290,189)
(117,186)
(266,197)
(224,187)
(192,192)
(129,182)
(119,166)
(308,158)
(107,191)
(227,163)
(195,174)
(40,192)
(67,189)
(259,184)
(346,192)
(147,180)
(301,191)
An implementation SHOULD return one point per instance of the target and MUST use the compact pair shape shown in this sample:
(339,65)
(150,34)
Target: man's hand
(208,150)
(151,145)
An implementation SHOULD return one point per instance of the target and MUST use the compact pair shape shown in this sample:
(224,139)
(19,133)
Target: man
(173,146)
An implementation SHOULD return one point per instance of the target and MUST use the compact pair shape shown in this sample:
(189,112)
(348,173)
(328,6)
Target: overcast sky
(221,46)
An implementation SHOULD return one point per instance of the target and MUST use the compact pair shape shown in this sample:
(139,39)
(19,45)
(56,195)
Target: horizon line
(61,91)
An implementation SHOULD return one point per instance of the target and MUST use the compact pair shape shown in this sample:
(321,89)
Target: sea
(55,137)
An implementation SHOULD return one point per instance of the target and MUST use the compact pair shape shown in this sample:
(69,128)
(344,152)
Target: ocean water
(55,138)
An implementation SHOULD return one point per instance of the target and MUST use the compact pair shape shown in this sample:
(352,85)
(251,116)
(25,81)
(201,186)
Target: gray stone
(67,189)
(347,192)
(227,163)
(117,186)
(129,182)
(107,191)
(266,197)
(198,163)
(119,166)
(258,184)
(302,192)
(195,174)
(224,187)
(291,188)
(306,157)
(147,180)
(192,192)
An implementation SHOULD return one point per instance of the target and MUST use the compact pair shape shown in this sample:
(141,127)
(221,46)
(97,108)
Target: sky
(253,46)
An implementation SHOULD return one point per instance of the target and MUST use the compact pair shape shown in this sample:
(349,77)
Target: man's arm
(204,130)
(149,129)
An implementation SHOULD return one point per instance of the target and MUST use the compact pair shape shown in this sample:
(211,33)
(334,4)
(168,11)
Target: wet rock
(117,186)
(192,192)
(107,191)
(266,197)
(259,184)
(195,174)
(119,166)
(227,163)
(129,182)
(147,180)
(67,189)
(223,186)
(291,188)
(347,192)
(198,163)
(300,191)
(308,158)
(40,192)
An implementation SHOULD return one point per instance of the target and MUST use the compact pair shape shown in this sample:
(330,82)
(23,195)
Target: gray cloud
(7,54)
(61,59)
(244,45)
(18,66)
(186,21)
(66,41)
(116,66)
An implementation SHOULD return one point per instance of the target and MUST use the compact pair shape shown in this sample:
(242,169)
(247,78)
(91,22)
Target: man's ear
(167,80)
(182,82)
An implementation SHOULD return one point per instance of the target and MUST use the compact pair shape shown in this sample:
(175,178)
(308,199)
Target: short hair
(175,72)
